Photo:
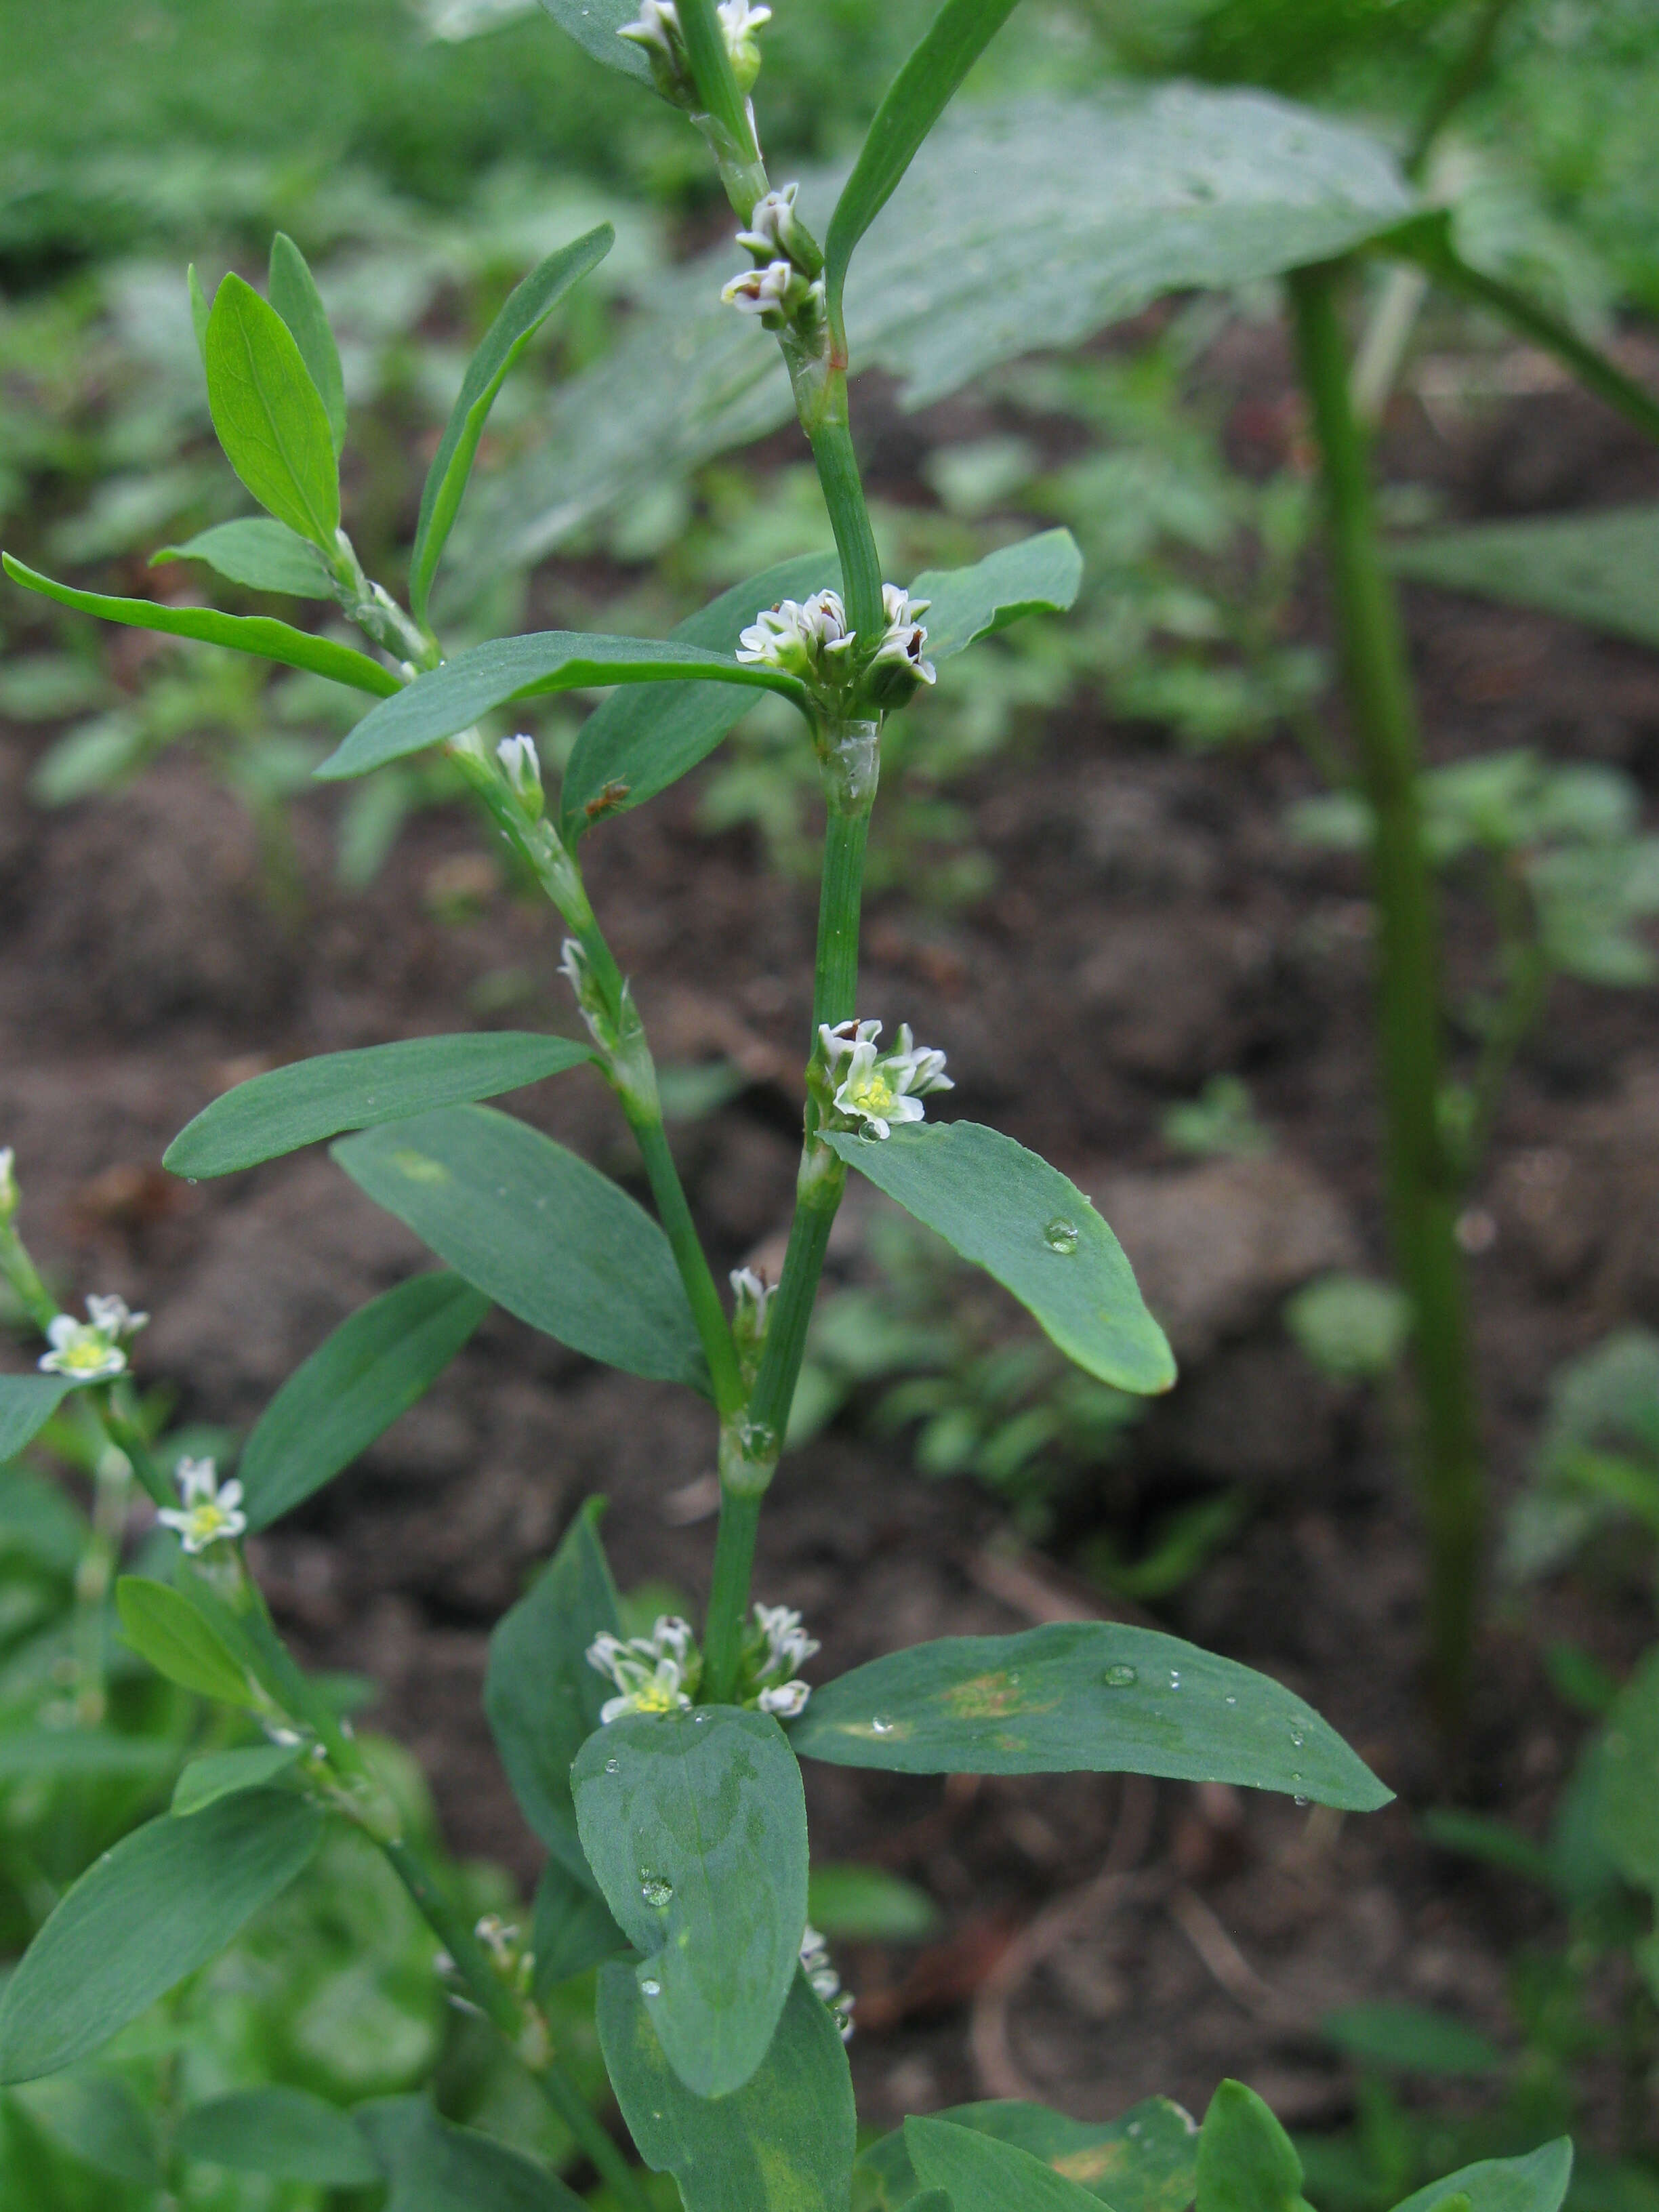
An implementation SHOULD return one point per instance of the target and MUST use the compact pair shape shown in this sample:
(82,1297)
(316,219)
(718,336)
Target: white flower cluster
(658,30)
(874,1089)
(654,1674)
(775,1649)
(90,1351)
(210,1512)
(904,636)
(810,639)
(825,1981)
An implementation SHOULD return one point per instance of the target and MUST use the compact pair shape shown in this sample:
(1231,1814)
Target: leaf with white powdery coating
(1082,1696)
(783,2142)
(27,1402)
(259,554)
(295,296)
(1024,1222)
(163,1903)
(540,1231)
(269,414)
(373,1369)
(694,1824)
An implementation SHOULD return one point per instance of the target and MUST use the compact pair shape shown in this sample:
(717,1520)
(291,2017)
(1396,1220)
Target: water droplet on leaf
(613,1767)
(1060,1236)
(1230,1698)
(656,1893)
(1297,1738)
(650,1988)
(881,1725)
(1120,1676)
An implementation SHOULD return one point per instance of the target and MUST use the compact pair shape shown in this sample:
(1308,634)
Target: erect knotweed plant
(660,1770)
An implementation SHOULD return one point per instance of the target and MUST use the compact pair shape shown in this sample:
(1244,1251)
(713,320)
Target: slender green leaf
(537,1230)
(164,1627)
(528,308)
(295,296)
(258,635)
(27,1402)
(257,553)
(915,100)
(1027,1224)
(143,1915)
(270,1115)
(646,737)
(223,1774)
(571,1929)
(1039,575)
(434,2166)
(783,2142)
(869,1905)
(541,1696)
(1600,568)
(1082,1695)
(375,1366)
(453,698)
(269,414)
(98,2120)
(200,310)
(1145,2161)
(981,2173)
(50,1753)
(1246,2161)
(1536,2183)
(593,24)
(696,1826)
(1409,2039)
(1627,1798)
(288,2133)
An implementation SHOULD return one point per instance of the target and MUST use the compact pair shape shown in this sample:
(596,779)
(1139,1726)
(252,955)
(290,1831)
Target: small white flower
(879,1089)
(114,1317)
(786,1701)
(658,30)
(8,1185)
(521,765)
(779,289)
(208,1514)
(739,22)
(904,636)
(654,1673)
(90,1351)
(774,233)
(824,1982)
(808,639)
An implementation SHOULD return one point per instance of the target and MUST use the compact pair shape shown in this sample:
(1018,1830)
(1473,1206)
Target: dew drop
(1301,1801)
(650,1988)
(656,1893)
(1013,1681)
(1174,1678)
(881,1725)
(1297,1738)
(1230,1698)
(613,1767)
(1120,1676)
(1060,1236)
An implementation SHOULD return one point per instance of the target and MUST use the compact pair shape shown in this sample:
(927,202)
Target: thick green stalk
(835,978)
(1423,1184)
(728,1593)
(830,435)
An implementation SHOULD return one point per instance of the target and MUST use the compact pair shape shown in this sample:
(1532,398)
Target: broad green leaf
(1040,575)
(541,1696)
(97,2119)
(1145,2161)
(432,2165)
(288,2133)
(1409,2039)
(1025,1223)
(537,1230)
(571,1929)
(593,24)
(1600,568)
(164,1627)
(1246,2161)
(696,1826)
(258,635)
(1536,2183)
(352,1389)
(1627,1810)
(295,296)
(915,100)
(223,1774)
(646,737)
(48,1753)
(868,1903)
(783,2142)
(27,1402)
(259,554)
(979,2172)
(528,305)
(163,1903)
(1082,1695)
(453,698)
(269,414)
(270,1115)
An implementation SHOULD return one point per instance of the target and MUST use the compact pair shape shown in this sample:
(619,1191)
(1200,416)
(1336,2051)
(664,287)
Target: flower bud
(775,233)
(739,22)
(522,767)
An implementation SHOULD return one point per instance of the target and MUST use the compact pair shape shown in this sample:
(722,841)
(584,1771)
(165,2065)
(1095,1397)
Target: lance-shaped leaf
(541,1696)
(431,2166)
(259,554)
(1536,2183)
(571,1929)
(48,1753)
(269,414)
(1600,568)
(783,2142)
(1024,1222)
(647,736)
(375,1366)
(915,100)
(163,1903)
(1145,2161)
(594,24)
(288,2133)
(980,2173)
(537,1230)
(97,2119)
(453,698)
(27,1402)
(1627,1793)
(225,1773)
(295,296)
(163,1626)
(278,1113)
(696,1826)
(1082,1695)
(1039,575)
(1246,2161)
(528,305)
(258,635)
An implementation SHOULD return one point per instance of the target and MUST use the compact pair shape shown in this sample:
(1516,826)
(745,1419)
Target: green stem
(1423,1187)
(829,434)
(728,1594)
(1526,991)
(675,1214)
(517,2020)
(725,119)
(21,1272)
(835,976)
(93,1574)
(1460,80)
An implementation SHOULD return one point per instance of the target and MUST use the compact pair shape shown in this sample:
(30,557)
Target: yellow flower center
(875,1095)
(87,1353)
(656,1697)
(208,1521)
